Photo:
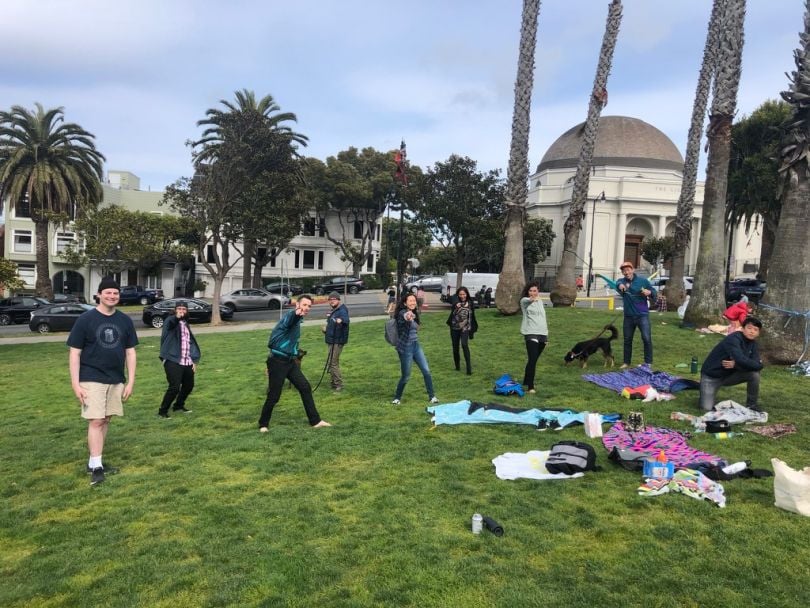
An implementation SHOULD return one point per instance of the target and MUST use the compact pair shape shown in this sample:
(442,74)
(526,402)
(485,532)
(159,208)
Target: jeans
(534,348)
(629,329)
(280,369)
(709,386)
(412,352)
(461,338)
(334,365)
(181,383)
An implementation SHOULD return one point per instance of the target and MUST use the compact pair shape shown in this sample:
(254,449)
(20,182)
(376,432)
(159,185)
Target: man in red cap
(636,295)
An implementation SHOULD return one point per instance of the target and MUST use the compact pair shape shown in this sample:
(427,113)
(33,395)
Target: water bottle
(693,365)
(735,468)
(477,523)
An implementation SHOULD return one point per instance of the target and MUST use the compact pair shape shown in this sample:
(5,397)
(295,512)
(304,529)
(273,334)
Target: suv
(339,284)
(284,288)
(427,283)
(18,308)
(753,288)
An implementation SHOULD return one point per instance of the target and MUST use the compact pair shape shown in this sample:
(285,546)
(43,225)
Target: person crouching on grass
(281,365)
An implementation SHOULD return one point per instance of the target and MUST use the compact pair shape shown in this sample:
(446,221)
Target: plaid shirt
(185,345)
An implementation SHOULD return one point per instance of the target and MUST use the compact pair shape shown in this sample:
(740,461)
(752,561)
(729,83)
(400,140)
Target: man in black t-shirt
(102,342)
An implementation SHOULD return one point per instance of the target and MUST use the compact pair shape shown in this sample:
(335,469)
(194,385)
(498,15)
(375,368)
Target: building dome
(621,142)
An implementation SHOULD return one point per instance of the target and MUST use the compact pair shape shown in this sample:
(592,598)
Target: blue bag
(506,385)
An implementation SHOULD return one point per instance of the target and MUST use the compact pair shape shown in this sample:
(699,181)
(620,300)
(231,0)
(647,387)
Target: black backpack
(571,457)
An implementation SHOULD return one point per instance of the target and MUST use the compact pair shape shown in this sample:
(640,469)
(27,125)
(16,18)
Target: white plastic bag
(791,488)
(593,424)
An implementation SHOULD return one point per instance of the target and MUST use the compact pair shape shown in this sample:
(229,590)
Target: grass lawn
(376,510)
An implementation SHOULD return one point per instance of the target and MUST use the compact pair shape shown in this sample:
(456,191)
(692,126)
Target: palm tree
(244,114)
(512,278)
(686,200)
(789,274)
(565,288)
(708,293)
(51,164)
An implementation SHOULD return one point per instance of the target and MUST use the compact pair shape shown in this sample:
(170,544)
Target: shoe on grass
(263,429)
(183,409)
(163,415)
(396,402)
(624,366)
(97,476)
(434,399)
(108,470)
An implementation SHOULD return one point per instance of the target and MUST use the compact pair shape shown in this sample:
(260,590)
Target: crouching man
(733,361)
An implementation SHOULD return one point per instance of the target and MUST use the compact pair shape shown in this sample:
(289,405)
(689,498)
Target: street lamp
(590,252)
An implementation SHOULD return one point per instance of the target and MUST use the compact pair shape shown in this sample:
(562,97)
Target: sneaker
(182,409)
(542,425)
(434,399)
(263,429)
(531,391)
(337,389)
(396,402)
(163,415)
(108,470)
(624,366)
(97,476)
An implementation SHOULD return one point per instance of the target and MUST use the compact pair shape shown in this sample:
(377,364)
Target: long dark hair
(465,290)
(529,285)
(401,306)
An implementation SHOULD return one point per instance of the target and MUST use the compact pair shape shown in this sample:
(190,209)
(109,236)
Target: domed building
(636,176)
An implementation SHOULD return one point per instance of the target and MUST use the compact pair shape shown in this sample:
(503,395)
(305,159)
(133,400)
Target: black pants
(534,347)
(461,338)
(278,370)
(181,383)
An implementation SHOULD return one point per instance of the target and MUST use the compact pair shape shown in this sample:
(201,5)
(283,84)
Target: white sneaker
(434,400)
(395,402)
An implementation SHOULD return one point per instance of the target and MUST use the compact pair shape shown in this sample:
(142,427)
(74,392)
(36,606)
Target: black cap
(108,283)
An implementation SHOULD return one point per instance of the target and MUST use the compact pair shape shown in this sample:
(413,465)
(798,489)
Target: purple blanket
(653,439)
(638,376)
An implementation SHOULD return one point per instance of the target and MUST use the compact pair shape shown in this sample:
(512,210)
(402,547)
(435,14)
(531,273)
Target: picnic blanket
(469,412)
(662,382)
(652,440)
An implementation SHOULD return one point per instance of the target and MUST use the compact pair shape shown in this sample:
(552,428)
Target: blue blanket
(466,412)
(638,376)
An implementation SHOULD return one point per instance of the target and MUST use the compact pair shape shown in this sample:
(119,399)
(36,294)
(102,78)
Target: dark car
(753,288)
(199,311)
(285,288)
(57,317)
(339,284)
(17,309)
(67,298)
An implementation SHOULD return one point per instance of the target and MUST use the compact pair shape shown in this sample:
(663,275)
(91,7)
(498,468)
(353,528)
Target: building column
(621,231)
(662,226)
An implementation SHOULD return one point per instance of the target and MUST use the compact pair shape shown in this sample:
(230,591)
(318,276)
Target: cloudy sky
(138,74)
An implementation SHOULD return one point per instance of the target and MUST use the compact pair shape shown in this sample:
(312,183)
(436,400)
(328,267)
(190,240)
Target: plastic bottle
(477,523)
(662,457)
(693,368)
(735,468)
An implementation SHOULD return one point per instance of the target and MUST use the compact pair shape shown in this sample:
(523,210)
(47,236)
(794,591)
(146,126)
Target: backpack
(506,385)
(392,332)
(571,457)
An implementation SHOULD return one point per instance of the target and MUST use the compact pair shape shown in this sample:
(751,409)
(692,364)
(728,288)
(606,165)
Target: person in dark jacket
(282,364)
(635,292)
(337,334)
(409,349)
(180,354)
(462,326)
(733,361)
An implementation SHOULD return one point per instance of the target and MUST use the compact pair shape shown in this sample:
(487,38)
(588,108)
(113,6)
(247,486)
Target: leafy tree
(654,249)
(50,166)
(512,276)
(115,239)
(9,277)
(564,292)
(415,241)
(753,174)
(487,251)
(708,293)
(785,335)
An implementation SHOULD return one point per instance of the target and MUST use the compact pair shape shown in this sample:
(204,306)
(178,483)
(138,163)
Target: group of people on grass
(103,340)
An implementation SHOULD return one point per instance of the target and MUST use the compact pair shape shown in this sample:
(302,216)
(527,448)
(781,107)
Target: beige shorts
(102,400)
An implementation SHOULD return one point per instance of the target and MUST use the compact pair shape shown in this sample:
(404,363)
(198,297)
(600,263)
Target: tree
(753,174)
(457,202)
(52,168)
(708,293)
(565,288)
(416,239)
(9,277)
(784,338)
(658,249)
(512,276)
(355,186)
(686,200)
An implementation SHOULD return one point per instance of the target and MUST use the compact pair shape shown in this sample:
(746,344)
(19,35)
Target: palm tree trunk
(769,229)
(565,288)
(686,200)
(511,279)
(43,286)
(708,293)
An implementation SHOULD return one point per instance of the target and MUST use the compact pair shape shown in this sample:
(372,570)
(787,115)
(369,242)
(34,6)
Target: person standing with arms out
(409,349)
(180,354)
(462,327)
(281,365)
(337,334)
(534,329)
(102,342)
(635,292)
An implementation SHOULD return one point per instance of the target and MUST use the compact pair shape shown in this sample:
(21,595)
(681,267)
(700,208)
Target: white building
(639,170)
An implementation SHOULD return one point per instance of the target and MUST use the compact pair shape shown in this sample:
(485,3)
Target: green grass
(376,510)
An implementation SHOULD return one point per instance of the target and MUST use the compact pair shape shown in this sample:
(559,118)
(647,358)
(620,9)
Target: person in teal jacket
(534,330)
(636,294)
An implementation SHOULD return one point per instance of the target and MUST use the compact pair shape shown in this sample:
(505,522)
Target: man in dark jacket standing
(337,334)
(180,354)
(733,361)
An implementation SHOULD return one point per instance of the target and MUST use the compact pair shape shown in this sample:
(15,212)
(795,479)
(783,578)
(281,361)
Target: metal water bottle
(477,523)
(693,365)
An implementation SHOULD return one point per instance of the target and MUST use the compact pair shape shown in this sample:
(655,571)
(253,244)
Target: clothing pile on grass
(565,460)
(473,412)
(801,369)
(643,382)
(728,410)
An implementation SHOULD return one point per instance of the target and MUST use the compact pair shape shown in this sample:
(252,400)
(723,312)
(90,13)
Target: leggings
(534,348)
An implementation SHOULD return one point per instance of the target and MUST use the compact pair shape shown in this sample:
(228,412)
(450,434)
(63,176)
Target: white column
(662,226)
(621,231)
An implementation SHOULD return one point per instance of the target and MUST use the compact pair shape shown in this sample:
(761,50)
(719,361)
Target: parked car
(17,309)
(753,288)
(247,299)
(284,288)
(137,294)
(199,311)
(339,284)
(66,298)
(56,317)
(427,283)
(660,283)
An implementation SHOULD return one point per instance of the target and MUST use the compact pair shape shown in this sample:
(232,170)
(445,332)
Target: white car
(660,283)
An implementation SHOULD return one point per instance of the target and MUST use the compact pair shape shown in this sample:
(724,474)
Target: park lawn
(376,510)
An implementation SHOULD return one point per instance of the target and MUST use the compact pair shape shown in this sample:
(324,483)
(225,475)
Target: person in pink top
(736,314)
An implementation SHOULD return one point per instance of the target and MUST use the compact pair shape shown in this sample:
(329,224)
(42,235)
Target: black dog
(583,350)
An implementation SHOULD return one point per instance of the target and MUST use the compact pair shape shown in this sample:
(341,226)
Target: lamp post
(590,251)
